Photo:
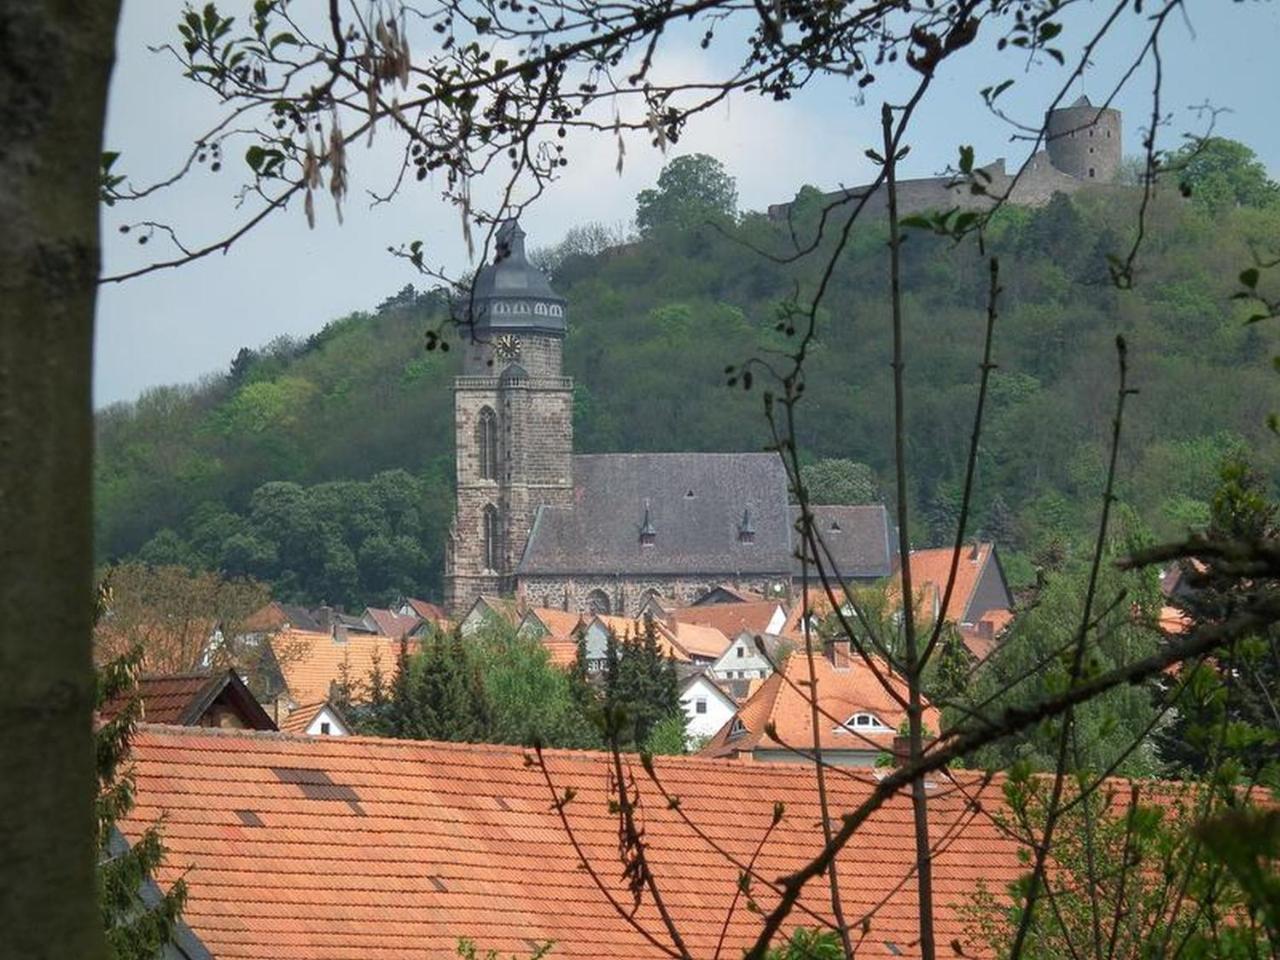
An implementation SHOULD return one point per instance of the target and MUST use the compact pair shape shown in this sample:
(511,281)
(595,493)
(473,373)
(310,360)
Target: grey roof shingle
(857,538)
(695,534)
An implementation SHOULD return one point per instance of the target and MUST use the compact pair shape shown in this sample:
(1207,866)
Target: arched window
(865,723)
(598,602)
(487,443)
(490,533)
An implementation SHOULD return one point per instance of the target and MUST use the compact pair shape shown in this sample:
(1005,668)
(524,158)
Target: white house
(707,707)
(743,660)
(320,719)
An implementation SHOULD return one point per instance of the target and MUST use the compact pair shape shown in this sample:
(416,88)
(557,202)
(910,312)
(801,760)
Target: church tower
(513,417)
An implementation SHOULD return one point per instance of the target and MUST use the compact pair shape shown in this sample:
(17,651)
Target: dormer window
(648,535)
(737,728)
(835,527)
(864,723)
(746,528)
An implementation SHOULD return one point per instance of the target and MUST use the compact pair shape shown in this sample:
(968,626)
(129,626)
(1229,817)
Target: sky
(176,326)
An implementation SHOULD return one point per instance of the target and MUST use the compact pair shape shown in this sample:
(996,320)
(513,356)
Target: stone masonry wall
(627,594)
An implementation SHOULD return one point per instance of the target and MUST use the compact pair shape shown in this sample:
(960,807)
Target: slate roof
(698,534)
(511,278)
(857,538)
(330,848)
(783,701)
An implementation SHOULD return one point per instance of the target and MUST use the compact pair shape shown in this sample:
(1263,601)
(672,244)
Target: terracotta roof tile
(312,662)
(445,841)
(730,618)
(783,701)
(166,699)
(392,624)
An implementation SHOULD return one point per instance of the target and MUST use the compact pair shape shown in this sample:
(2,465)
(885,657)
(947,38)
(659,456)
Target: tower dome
(511,294)
(1084,141)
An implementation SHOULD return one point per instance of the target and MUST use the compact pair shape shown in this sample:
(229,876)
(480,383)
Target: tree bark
(55,64)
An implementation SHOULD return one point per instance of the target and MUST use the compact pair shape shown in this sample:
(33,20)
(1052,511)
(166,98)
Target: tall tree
(55,62)
(692,190)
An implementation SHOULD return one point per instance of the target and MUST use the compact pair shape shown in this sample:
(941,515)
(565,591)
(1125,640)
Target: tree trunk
(55,63)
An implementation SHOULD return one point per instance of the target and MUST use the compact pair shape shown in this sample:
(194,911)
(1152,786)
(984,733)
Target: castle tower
(513,417)
(1084,141)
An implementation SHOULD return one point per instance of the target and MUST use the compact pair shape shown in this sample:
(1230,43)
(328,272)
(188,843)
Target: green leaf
(1249,277)
(282,38)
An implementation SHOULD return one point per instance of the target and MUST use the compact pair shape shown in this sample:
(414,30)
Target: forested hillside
(324,467)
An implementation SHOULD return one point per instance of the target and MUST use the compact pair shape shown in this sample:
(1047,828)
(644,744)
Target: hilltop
(324,466)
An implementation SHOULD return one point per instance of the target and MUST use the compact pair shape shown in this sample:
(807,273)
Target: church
(606,533)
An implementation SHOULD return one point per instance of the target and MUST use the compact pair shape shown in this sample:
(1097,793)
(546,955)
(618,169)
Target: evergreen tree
(1226,709)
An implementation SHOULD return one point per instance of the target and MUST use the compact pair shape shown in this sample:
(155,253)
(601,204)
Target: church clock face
(507,347)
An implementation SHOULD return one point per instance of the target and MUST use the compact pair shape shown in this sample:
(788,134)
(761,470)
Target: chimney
(840,652)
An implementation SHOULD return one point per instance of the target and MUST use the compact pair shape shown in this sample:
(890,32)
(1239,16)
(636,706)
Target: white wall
(336,727)
(719,709)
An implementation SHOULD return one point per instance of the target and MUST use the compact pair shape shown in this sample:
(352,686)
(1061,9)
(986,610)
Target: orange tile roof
(783,701)
(561,652)
(560,623)
(312,662)
(325,848)
(696,640)
(165,699)
(300,717)
(933,567)
(730,618)
(428,611)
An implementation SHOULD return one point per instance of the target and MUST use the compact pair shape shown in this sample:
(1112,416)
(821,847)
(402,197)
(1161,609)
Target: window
(324,728)
(865,723)
(598,602)
(490,537)
(1091,172)
(487,443)
(700,705)
(737,728)
(742,651)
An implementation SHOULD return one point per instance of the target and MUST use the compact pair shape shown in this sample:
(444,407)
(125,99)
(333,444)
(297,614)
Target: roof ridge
(174,730)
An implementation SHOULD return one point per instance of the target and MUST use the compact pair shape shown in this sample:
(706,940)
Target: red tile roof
(186,699)
(313,662)
(428,611)
(300,717)
(390,623)
(932,568)
(783,701)
(318,848)
(730,618)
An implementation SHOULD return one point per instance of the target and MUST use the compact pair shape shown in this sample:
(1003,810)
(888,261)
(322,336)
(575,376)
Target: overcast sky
(175,326)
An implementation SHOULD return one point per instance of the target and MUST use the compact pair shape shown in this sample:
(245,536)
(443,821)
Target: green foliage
(691,190)
(1219,174)
(808,945)
(1117,854)
(1225,711)
(1034,662)
(655,322)
(836,480)
(493,687)
(135,929)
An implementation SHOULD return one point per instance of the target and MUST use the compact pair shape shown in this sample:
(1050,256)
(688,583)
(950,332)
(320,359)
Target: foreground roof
(695,503)
(315,848)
